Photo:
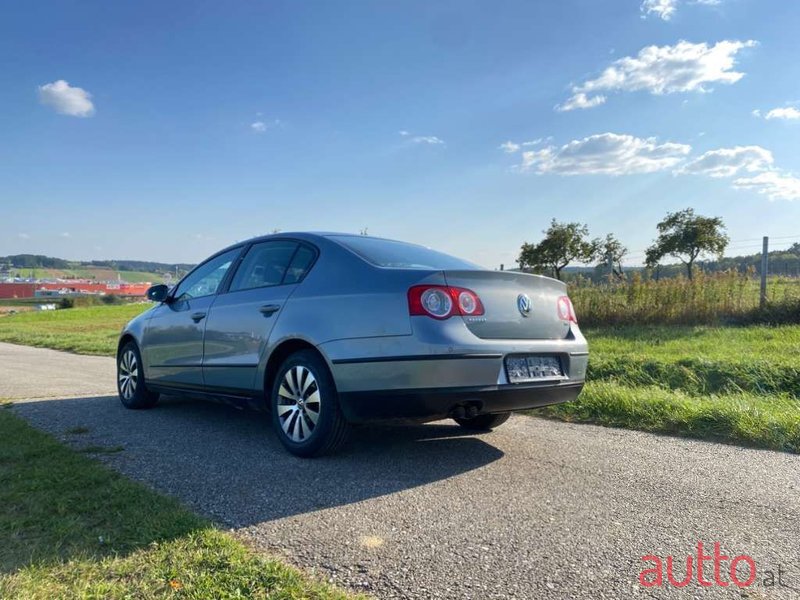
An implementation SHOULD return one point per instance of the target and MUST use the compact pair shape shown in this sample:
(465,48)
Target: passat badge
(524,304)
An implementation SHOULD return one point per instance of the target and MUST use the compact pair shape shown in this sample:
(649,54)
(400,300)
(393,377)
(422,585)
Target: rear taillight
(566,312)
(443,302)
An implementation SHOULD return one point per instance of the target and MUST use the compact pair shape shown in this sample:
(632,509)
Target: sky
(167,130)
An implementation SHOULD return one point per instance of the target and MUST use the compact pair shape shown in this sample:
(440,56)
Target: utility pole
(764,268)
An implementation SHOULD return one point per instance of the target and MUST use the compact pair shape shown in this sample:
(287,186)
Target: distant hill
(140,265)
(32,261)
(48,267)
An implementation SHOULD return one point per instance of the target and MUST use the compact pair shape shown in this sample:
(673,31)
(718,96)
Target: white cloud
(621,154)
(65,234)
(430,140)
(66,100)
(665,9)
(262,126)
(727,162)
(790,113)
(605,154)
(23,236)
(538,141)
(684,67)
(773,184)
(427,139)
(661,8)
(509,147)
(580,100)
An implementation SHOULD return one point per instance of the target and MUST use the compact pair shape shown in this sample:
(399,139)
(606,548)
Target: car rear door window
(300,264)
(264,265)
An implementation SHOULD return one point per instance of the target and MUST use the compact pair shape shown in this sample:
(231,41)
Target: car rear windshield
(400,255)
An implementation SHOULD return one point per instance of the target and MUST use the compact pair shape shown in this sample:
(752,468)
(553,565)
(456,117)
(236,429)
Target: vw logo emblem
(524,304)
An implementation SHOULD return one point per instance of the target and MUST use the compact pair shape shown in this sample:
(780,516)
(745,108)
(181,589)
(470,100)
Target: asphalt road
(536,509)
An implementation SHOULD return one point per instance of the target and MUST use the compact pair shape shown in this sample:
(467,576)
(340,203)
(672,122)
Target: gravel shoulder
(535,509)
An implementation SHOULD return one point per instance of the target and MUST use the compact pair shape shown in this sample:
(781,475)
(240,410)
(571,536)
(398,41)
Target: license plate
(532,367)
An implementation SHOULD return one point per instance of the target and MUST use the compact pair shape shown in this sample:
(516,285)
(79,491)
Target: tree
(563,243)
(685,236)
(611,250)
(794,249)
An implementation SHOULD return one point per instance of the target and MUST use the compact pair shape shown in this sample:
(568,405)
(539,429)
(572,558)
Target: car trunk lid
(505,296)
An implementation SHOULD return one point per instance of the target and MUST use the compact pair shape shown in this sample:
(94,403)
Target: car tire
(304,405)
(484,422)
(131,385)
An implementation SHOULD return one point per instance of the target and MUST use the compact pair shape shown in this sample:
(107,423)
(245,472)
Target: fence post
(764,269)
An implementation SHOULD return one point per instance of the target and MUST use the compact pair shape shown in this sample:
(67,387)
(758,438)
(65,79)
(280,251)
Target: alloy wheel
(299,403)
(128,374)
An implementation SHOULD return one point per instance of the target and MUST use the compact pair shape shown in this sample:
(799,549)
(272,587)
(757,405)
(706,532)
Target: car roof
(308,236)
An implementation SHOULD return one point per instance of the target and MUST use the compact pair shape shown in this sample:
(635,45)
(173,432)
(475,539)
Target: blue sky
(164,131)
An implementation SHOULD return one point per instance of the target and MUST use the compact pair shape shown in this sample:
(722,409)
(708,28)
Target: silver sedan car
(325,330)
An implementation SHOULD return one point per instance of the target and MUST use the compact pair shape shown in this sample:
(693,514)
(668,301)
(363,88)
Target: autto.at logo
(706,570)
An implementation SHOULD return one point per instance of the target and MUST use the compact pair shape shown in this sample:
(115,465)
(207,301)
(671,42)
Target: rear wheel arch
(281,352)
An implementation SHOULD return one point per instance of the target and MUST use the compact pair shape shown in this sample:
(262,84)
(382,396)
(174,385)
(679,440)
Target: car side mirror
(158,293)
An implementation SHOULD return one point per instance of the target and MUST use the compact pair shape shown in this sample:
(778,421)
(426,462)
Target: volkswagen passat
(327,330)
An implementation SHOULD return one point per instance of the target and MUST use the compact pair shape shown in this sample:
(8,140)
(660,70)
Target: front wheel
(305,406)
(484,422)
(131,385)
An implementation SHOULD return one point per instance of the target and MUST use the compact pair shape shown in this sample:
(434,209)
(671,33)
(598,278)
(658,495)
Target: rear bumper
(438,403)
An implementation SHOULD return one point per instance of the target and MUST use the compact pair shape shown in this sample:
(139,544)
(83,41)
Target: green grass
(715,299)
(85,330)
(734,384)
(771,422)
(72,528)
(699,360)
(676,342)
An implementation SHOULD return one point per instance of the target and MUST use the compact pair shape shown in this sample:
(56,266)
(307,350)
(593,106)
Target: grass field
(90,330)
(716,299)
(735,384)
(72,528)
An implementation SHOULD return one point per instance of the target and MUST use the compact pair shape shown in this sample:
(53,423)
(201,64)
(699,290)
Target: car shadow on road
(229,465)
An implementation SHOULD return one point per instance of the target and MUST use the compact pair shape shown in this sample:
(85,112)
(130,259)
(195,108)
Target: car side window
(264,265)
(300,264)
(206,279)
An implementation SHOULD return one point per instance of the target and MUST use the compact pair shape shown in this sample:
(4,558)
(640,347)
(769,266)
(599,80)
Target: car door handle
(198,316)
(268,309)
